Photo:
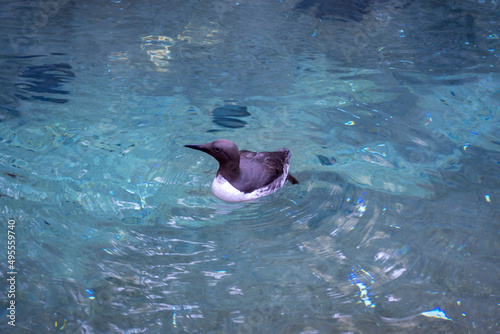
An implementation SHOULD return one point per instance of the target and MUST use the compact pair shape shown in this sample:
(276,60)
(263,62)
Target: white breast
(225,191)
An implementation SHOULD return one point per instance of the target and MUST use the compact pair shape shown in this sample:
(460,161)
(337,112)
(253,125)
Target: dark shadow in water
(44,79)
(228,116)
(343,10)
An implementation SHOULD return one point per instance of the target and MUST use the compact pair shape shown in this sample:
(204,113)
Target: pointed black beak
(196,147)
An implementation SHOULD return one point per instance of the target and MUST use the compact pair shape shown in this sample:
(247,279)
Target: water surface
(390,110)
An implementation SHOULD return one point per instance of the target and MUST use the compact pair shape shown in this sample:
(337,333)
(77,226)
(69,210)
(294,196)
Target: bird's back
(262,169)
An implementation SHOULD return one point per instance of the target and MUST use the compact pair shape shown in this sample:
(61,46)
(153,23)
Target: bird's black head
(224,151)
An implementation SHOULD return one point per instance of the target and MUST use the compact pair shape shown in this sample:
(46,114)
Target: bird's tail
(292,179)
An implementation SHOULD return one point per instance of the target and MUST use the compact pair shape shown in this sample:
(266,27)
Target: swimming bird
(245,175)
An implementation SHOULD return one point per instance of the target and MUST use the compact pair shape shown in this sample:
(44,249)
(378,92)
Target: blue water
(390,110)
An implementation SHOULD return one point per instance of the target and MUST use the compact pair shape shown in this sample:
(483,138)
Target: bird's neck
(230,170)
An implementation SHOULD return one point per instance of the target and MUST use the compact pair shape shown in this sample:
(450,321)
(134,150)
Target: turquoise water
(390,110)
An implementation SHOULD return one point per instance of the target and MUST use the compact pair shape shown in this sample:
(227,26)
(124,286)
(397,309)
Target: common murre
(245,175)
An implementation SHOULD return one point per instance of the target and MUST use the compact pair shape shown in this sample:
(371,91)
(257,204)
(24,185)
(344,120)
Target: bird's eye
(217,149)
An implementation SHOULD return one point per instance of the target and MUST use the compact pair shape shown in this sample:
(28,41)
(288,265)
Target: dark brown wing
(261,168)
